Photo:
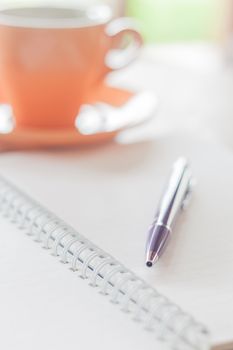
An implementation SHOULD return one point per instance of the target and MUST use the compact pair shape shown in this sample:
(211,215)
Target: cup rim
(96,15)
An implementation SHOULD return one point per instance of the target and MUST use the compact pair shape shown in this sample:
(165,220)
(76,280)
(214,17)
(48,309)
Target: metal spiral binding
(132,294)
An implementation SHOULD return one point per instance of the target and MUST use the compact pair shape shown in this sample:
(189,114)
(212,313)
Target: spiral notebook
(110,194)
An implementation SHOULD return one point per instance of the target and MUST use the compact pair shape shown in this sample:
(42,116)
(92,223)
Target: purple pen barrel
(158,237)
(173,200)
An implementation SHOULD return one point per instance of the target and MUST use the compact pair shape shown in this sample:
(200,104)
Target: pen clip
(188,193)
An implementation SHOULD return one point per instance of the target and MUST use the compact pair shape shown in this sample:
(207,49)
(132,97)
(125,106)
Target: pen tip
(149,263)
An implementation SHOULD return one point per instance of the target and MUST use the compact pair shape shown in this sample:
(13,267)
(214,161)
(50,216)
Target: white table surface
(194,84)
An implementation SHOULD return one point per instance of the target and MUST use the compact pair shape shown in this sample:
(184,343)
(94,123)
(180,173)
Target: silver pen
(173,200)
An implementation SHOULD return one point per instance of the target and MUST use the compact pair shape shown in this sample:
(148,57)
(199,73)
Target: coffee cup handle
(118,58)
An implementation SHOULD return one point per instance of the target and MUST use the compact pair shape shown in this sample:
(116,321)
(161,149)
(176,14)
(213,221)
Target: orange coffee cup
(52,58)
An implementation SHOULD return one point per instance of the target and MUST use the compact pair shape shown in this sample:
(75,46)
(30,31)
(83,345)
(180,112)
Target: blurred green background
(177,20)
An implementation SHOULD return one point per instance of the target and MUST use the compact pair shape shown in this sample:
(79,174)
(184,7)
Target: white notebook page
(44,305)
(110,194)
